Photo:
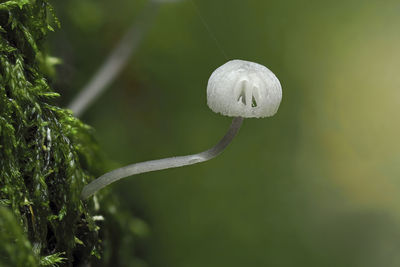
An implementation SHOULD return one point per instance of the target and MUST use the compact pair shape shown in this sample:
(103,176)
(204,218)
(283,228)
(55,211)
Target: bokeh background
(316,185)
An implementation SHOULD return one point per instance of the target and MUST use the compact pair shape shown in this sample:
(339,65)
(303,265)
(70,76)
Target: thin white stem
(115,61)
(161,164)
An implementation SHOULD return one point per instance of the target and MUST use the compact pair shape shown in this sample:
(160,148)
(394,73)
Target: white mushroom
(244,89)
(239,89)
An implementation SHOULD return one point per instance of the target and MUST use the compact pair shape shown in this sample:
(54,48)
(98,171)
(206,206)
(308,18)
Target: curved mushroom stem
(161,164)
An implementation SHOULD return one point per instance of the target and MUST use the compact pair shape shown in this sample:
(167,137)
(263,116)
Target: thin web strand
(217,43)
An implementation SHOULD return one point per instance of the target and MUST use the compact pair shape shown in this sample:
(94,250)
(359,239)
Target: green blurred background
(315,185)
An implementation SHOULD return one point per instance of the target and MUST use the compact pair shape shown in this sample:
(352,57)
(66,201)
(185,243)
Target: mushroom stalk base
(161,164)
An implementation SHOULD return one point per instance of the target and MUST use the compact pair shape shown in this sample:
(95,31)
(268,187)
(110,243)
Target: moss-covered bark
(46,155)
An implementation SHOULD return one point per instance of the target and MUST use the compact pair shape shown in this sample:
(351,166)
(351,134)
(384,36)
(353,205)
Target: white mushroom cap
(242,88)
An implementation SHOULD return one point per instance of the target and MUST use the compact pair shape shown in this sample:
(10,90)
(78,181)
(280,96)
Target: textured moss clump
(46,155)
(15,248)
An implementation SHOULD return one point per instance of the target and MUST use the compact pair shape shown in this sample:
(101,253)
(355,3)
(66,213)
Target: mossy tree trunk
(46,155)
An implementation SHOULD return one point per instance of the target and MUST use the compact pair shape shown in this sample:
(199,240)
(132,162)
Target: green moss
(15,249)
(46,154)
(46,157)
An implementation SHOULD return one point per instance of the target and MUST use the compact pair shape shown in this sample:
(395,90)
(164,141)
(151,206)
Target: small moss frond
(52,260)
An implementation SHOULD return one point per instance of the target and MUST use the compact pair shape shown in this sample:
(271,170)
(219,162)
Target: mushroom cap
(242,88)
